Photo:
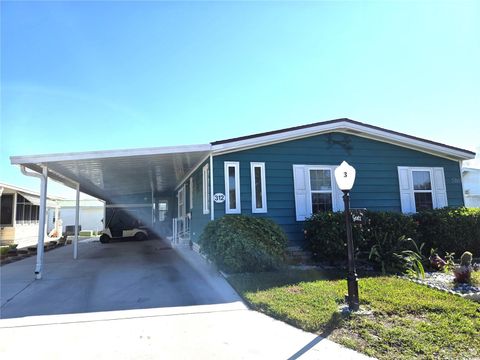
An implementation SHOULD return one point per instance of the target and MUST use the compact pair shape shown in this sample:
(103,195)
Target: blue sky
(79,76)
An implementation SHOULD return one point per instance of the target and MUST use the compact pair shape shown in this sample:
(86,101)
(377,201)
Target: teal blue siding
(376,186)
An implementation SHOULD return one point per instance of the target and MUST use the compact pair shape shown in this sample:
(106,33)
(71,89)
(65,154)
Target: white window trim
(407,192)
(236,166)
(181,195)
(303,190)
(206,189)
(310,191)
(260,165)
(191,192)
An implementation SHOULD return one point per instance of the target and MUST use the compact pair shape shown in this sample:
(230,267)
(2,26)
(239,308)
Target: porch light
(345,177)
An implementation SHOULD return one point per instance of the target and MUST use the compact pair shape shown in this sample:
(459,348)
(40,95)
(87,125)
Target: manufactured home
(285,175)
(19,215)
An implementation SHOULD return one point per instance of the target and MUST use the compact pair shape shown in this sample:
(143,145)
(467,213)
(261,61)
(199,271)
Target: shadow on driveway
(122,275)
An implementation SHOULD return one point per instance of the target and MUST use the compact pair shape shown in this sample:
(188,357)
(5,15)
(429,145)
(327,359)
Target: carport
(115,176)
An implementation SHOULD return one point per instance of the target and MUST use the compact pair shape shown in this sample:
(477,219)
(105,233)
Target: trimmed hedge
(326,234)
(452,230)
(449,229)
(239,243)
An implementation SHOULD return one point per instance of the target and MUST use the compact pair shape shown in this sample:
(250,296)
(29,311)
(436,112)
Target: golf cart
(122,224)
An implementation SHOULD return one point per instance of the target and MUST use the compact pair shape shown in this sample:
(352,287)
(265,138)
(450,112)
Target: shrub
(377,240)
(326,235)
(394,224)
(454,230)
(239,243)
(411,261)
(384,235)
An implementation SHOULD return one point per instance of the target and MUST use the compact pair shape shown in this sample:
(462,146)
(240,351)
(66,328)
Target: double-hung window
(232,187)
(321,190)
(422,188)
(259,192)
(206,189)
(315,190)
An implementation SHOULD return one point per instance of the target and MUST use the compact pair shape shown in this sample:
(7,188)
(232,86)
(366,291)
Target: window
(206,189)
(232,188)
(315,190)
(26,211)
(6,209)
(421,188)
(181,202)
(321,190)
(162,210)
(259,193)
(190,189)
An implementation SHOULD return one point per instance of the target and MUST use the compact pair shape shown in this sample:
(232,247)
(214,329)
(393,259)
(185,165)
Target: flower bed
(445,282)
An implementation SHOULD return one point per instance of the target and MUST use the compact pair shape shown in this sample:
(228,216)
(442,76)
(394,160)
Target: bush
(326,235)
(385,232)
(448,229)
(239,243)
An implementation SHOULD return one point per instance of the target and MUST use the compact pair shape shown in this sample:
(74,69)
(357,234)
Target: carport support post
(77,215)
(41,223)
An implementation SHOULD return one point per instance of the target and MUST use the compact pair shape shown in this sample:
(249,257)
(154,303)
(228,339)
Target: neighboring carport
(114,176)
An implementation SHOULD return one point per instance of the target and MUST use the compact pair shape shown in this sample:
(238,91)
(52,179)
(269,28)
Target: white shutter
(405,190)
(439,190)
(300,185)
(337,194)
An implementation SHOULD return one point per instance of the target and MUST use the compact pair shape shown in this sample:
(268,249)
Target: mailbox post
(345,177)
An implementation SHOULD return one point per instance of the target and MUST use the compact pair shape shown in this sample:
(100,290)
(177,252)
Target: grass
(407,320)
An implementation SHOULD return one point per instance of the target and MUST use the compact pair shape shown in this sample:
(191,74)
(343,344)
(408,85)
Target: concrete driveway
(116,276)
(129,300)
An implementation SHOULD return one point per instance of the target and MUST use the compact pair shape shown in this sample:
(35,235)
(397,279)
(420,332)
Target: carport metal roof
(106,174)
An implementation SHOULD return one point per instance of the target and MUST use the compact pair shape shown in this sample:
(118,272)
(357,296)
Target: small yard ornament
(464,271)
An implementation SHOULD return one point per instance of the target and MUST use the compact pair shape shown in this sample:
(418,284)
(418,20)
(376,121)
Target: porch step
(298,255)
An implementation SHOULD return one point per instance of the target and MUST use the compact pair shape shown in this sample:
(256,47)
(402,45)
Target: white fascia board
(89,155)
(345,127)
(29,192)
(416,144)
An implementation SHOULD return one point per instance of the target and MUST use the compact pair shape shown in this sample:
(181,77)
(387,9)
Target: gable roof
(344,125)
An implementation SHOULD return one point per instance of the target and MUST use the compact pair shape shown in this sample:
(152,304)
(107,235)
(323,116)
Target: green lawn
(407,320)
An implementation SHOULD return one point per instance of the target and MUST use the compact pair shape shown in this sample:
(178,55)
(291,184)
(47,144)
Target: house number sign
(219,198)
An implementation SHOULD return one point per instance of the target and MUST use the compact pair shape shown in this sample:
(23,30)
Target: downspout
(43,206)
(1,192)
(460,162)
(77,218)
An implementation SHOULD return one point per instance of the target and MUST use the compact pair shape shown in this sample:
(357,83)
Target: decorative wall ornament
(344,141)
